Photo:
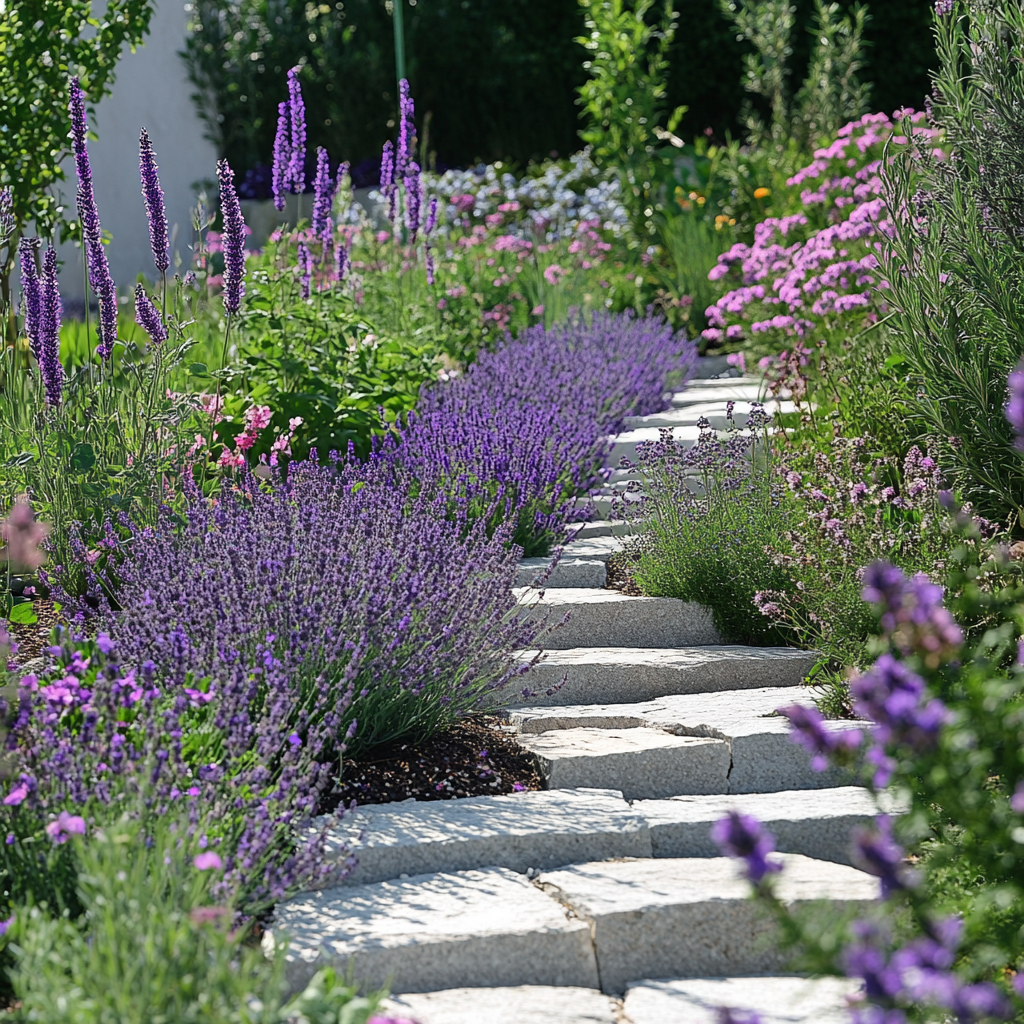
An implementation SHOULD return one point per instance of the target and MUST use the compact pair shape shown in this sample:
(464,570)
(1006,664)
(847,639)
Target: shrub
(153,943)
(959,224)
(356,614)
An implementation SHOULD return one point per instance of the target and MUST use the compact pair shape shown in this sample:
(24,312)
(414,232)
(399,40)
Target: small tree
(42,43)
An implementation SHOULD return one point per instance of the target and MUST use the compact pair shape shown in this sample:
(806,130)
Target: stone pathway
(602,900)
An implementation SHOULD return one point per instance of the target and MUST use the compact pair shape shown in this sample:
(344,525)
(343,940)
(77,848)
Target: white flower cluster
(551,199)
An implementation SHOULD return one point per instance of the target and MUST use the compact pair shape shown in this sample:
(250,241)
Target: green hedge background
(496,77)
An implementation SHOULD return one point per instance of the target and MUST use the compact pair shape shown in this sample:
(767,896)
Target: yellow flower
(762,192)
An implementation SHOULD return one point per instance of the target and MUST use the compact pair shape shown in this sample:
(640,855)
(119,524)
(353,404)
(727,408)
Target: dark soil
(620,576)
(476,757)
(33,639)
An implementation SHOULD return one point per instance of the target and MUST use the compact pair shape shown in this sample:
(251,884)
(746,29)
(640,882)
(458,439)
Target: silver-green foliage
(955,264)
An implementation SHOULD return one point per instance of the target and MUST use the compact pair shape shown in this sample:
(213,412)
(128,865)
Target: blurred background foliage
(519,55)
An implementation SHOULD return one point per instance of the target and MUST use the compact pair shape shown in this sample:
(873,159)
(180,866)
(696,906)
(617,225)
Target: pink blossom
(257,417)
(65,826)
(23,536)
(207,861)
(16,795)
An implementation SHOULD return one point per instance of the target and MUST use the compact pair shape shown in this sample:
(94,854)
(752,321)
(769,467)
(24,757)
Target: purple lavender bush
(327,609)
(525,430)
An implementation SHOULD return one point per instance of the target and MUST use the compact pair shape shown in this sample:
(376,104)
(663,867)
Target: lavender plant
(359,615)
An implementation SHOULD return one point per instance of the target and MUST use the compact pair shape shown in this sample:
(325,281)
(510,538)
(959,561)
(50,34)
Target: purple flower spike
(323,197)
(64,827)
(744,837)
(154,199)
(876,852)
(305,261)
(342,258)
(387,179)
(431,217)
(725,1015)
(406,130)
(233,238)
(282,156)
(27,249)
(148,317)
(100,280)
(49,330)
(413,199)
(821,743)
(6,213)
(297,110)
(1015,405)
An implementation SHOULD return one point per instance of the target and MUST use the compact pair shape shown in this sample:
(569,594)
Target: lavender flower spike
(147,316)
(153,195)
(282,156)
(233,238)
(744,837)
(1015,406)
(100,280)
(49,330)
(305,262)
(6,214)
(323,197)
(406,130)
(27,249)
(387,178)
(413,199)
(297,109)
(428,228)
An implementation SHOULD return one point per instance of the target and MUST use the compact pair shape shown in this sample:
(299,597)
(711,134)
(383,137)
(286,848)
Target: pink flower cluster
(808,269)
(257,419)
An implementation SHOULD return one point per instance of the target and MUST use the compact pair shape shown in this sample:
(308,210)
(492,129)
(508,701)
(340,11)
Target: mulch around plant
(620,576)
(33,639)
(476,757)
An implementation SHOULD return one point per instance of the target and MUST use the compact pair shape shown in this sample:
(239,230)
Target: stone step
(761,756)
(641,763)
(569,572)
(600,506)
(475,929)
(624,445)
(524,1004)
(521,831)
(816,823)
(601,528)
(610,618)
(620,675)
(600,548)
(714,412)
(692,917)
(777,1000)
(596,925)
(720,391)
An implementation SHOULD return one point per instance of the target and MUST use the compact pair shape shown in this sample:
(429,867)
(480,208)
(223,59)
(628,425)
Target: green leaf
(83,458)
(197,369)
(23,614)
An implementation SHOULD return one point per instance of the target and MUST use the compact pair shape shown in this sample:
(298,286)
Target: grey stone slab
(692,917)
(640,763)
(597,675)
(569,572)
(714,412)
(602,528)
(624,444)
(763,757)
(520,831)
(600,548)
(720,391)
(608,618)
(816,823)
(429,932)
(714,366)
(778,1000)
(525,1004)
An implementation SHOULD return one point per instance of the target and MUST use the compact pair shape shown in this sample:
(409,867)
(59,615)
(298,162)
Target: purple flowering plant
(943,711)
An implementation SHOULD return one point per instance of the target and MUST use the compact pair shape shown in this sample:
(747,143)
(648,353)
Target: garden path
(560,906)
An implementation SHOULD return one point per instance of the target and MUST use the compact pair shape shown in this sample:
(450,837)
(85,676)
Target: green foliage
(117,436)
(42,42)
(320,359)
(624,97)
(831,94)
(151,945)
(959,223)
